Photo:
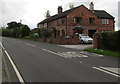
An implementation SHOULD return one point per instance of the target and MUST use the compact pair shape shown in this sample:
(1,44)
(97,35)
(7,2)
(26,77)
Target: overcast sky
(32,11)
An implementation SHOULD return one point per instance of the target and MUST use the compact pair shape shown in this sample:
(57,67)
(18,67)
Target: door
(91,33)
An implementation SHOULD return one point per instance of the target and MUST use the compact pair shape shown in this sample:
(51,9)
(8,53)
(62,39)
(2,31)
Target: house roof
(57,16)
(98,13)
(103,14)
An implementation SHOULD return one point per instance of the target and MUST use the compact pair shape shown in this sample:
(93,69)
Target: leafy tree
(16,30)
(71,5)
(25,31)
(44,33)
(47,14)
(12,25)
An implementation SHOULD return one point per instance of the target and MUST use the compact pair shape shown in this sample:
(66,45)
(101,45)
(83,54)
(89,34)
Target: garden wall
(62,41)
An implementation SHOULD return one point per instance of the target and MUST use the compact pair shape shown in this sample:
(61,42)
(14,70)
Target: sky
(32,12)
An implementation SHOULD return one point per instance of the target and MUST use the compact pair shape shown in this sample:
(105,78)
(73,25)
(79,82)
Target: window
(77,20)
(105,21)
(62,21)
(59,22)
(91,20)
(45,24)
(58,34)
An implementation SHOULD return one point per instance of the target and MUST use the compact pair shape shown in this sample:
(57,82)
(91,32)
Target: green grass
(103,52)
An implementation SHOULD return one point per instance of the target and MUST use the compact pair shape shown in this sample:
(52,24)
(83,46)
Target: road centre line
(30,45)
(51,52)
(14,66)
(106,72)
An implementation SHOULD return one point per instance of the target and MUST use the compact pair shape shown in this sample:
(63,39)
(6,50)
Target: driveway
(79,47)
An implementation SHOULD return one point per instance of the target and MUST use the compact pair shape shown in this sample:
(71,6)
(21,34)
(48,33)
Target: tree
(47,14)
(12,25)
(25,31)
(44,33)
(17,30)
(71,5)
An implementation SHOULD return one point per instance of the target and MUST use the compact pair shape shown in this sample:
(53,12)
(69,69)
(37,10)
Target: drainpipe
(66,25)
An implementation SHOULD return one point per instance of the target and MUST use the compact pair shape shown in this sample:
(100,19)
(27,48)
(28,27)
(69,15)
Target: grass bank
(103,52)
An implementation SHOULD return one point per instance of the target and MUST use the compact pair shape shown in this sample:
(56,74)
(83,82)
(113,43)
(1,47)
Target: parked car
(85,39)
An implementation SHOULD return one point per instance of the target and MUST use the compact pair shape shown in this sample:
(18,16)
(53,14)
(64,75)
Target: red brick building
(78,20)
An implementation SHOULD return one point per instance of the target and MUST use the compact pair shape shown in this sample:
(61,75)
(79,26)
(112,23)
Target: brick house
(78,20)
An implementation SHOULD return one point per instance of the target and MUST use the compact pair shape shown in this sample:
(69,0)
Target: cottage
(78,20)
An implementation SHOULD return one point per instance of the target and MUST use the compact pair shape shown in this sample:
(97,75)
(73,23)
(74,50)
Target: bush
(111,40)
(44,33)
(34,36)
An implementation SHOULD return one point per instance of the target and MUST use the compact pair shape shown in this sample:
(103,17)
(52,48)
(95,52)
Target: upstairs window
(92,20)
(105,21)
(80,19)
(45,24)
(62,21)
(77,20)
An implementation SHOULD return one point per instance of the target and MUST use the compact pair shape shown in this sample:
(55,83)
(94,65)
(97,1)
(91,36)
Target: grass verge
(103,52)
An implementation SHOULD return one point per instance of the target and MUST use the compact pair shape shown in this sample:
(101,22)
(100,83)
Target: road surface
(43,62)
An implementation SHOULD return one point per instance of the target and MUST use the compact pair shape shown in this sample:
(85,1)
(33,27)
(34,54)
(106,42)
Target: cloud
(11,11)
(32,11)
(119,15)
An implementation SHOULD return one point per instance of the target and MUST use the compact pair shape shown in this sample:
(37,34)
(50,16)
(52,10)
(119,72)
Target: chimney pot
(60,9)
(91,6)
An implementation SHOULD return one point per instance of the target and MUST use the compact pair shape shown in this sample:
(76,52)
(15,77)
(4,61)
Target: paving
(80,46)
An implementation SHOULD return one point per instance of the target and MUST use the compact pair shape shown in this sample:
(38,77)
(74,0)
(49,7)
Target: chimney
(60,9)
(91,6)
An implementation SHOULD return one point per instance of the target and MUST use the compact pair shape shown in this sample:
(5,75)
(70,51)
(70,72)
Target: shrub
(111,40)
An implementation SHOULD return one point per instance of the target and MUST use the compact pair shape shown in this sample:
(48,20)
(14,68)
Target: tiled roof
(98,13)
(103,14)
(57,16)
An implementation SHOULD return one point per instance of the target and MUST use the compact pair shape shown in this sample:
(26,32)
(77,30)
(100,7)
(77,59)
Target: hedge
(111,40)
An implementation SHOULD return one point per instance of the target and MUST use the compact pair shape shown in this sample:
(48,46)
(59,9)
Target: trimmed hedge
(111,40)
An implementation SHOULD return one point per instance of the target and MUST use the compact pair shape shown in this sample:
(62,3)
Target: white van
(85,39)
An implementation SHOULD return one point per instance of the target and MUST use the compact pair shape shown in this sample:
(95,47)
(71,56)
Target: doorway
(91,33)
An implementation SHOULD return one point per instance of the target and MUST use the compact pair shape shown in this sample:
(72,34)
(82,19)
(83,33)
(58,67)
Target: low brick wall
(62,41)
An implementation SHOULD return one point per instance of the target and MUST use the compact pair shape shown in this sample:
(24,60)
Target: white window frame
(74,20)
(45,24)
(105,21)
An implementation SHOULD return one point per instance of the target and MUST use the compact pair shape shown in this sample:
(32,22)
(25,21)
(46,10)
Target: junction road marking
(114,70)
(106,71)
(14,66)
(30,44)
(93,54)
(66,54)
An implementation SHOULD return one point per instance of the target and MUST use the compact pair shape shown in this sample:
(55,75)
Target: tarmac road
(43,62)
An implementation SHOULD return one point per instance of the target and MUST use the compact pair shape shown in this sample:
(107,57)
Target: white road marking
(97,55)
(100,55)
(14,67)
(51,52)
(115,70)
(106,72)
(94,54)
(66,54)
(30,44)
